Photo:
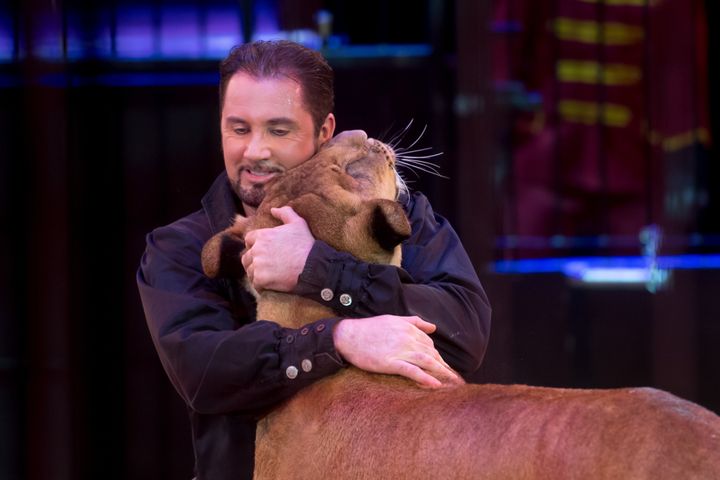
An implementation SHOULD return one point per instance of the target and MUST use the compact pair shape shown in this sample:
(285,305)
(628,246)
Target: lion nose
(352,137)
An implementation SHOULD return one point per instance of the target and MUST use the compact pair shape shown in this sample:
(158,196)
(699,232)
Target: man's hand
(394,345)
(276,256)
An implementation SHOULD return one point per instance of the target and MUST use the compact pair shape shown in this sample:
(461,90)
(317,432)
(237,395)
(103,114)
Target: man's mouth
(259,174)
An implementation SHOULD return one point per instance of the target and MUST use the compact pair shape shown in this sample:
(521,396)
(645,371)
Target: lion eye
(355,172)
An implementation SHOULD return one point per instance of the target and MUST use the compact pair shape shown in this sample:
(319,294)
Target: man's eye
(279,132)
(240,131)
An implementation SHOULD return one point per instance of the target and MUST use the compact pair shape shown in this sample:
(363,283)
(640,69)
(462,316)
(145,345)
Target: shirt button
(306,365)
(291,372)
(345,300)
(289,339)
(320,328)
(304,331)
(326,294)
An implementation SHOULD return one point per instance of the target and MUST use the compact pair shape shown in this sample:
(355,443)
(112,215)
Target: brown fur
(366,426)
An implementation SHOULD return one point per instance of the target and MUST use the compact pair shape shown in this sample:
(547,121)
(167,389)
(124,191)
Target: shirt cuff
(308,353)
(333,278)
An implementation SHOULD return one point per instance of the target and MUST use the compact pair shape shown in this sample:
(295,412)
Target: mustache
(264,165)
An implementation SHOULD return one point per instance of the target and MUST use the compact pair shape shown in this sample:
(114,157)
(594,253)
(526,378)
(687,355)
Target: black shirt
(229,367)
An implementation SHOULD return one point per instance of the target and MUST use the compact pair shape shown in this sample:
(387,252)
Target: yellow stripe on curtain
(587,31)
(589,113)
(614,74)
(673,143)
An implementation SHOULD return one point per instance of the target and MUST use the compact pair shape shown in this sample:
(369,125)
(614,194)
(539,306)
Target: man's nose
(257,147)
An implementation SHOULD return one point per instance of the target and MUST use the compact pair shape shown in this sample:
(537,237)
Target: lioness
(361,425)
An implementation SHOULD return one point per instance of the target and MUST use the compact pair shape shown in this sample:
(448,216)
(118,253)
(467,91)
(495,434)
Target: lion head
(347,193)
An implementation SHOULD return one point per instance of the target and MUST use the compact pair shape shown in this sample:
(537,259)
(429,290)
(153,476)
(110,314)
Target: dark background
(97,151)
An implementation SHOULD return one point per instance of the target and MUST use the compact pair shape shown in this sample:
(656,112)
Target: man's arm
(218,358)
(437,283)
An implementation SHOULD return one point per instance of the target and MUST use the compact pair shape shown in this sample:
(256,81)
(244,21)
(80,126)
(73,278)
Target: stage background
(108,128)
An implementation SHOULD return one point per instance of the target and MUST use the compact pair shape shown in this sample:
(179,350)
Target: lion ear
(220,255)
(389,224)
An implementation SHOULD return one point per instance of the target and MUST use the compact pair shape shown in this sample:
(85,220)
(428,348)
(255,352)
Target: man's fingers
(250,239)
(285,214)
(426,327)
(417,374)
(246,260)
(432,363)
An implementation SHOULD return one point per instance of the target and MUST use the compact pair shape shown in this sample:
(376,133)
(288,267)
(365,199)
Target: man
(229,367)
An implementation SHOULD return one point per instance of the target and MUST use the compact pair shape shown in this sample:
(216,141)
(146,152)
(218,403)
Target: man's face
(266,130)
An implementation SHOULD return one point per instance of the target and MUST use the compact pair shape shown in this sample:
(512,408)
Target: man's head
(276,99)
(284,59)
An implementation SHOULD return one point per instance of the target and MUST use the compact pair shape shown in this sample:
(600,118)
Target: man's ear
(389,225)
(327,130)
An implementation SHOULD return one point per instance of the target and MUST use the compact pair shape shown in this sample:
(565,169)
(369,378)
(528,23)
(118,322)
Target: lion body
(359,425)
(363,426)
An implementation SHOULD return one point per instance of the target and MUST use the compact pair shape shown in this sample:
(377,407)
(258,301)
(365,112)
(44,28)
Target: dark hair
(272,59)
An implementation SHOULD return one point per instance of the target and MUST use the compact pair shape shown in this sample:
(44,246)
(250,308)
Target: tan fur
(340,207)
(357,425)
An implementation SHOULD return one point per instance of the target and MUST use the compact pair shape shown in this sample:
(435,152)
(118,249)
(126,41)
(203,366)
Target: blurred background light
(223,31)
(135,33)
(7,41)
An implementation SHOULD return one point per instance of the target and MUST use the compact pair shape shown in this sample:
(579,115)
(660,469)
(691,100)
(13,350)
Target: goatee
(252,197)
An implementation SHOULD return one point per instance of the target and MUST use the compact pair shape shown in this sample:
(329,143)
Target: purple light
(223,31)
(177,33)
(180,33)
(89,37)
(134,37)
(47,36)
(267,24)
(77,48)
(6,38)
(141,33)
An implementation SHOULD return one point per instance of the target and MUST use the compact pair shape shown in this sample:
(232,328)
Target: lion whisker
(404,151)
(419,158)
(418,138)
(397,138)
(385,133)
(431,172)
(416,172)
(401,184)
(426,167)
(412,159)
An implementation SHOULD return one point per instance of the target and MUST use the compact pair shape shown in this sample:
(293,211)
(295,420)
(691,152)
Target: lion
(361,425)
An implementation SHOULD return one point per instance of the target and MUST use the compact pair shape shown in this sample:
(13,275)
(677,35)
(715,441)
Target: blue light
(89,37)
(648,275)
(150,79)
(6,38)
(561,265)
(76,46)
(47,36)
(379,51)
(180,33)
(134,33)
(176,33)
(267,24)
(223,31)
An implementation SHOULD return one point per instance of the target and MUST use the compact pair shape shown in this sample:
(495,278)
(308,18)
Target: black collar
(221,204)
